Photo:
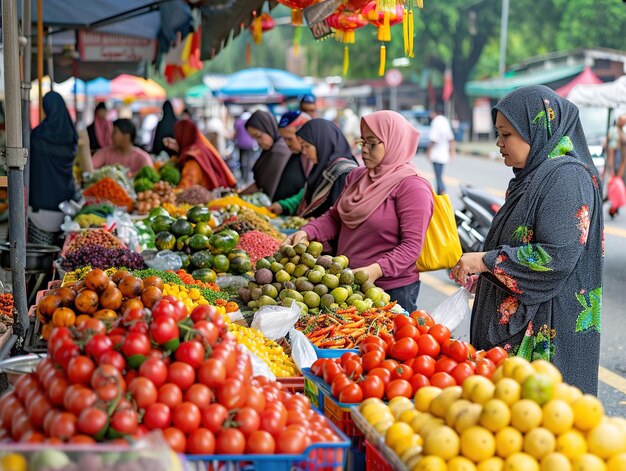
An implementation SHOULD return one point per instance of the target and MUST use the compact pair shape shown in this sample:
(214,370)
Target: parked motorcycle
(474,219)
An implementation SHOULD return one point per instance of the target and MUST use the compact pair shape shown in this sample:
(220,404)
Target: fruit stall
(179,333)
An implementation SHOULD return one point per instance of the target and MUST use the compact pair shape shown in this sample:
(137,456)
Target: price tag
(320,30)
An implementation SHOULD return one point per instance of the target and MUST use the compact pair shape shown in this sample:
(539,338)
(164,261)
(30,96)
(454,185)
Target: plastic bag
(232,282)
(454,312)
(302,350)
(125,228)
(275,321)
(259,367)
(617,192)
(164,260)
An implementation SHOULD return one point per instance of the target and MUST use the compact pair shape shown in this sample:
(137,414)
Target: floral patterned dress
(542,296)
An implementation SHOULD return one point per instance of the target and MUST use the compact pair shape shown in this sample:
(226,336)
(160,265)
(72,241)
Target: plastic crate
(313,392)
(294,384)
(332,352)
(374,461)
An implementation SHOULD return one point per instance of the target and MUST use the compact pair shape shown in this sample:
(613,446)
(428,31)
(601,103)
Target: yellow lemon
(522,371)
(412,443)
(588,412)
(430,463)
(442,441)
(521,462)
(459,463)
(563,392)
(588,462)
(420,420)
(617,463)
(455,410)
(558,416)
(498,374)
(468,417)
(13,462)
(495,415)
(371,400)
(431,425)
(525,415)
(375,417)
(572,444)
(495,463)
(606,440)
(482,391)
(509,365)
(508,390)
(509,441)
(398,431)
(546,368)
(439,405)
(555,462)
(384,425)
(398,400)
(408,415)
(477,444)
(411,453)
(399,407)
(424,396)
(372,405)
(468,385)
(539,442)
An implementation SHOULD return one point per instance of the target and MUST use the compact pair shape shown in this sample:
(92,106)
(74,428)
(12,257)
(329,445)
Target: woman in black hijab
(165,128)
(539,294)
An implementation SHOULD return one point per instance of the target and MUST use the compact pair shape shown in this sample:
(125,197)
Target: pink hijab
(369,190)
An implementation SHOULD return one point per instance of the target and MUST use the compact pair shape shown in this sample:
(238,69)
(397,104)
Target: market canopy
(270,84)
(606,95)
(500,87)
(586,77)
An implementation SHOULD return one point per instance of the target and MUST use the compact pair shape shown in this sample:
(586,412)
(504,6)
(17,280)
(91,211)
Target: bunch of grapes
(102,257)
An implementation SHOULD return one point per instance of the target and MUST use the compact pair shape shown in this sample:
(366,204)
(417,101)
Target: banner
(102,47)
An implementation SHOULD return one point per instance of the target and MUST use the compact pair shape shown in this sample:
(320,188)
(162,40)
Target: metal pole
(26,86)
(50,59)
(15,159)
(504,26)
(40,56)
(393,99)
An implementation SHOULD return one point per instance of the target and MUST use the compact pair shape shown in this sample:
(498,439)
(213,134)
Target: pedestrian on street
(616,156)
(441,148)
(308,105)
(539,293)
(164,128)
(246,147)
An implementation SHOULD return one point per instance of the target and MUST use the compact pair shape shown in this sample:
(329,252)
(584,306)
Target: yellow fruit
(439,405)
(521,462)
(546,368)
(509,365)
(431,463)
(13,462)
(411,463)
(460,463)
(382,426)
(588,462)
(424,396)
(495,415)
(398,400)
(498,374)
(525,415)
(430,426)
(412,443)
(375,417)
(555,462)
(398,431)
(508,390)
(572,444)
(418,422)
(538,387)
(371,400)
(469,384)
(575,393)
(455,409)
(522,371)
(442,441)
(410,454)
(617,463)
(558,416)
(588,412)
(509,441)
(477,444)
(399,406)
(539,442)
(563,391)
(494,463)
(606,440)
(408,415)
(468,418)
(482,391)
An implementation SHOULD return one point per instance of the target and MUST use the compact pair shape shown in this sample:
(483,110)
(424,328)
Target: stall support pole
(26,86)
(15,159)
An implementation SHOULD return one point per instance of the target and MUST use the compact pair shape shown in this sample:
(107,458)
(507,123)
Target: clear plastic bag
(275,321)
(302,350)
(232,282)
(164,260)
(455,313)
(259,367)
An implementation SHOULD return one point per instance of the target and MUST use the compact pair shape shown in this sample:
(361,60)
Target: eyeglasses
(370,145)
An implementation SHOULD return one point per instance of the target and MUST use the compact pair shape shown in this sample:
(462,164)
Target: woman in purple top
(381,217)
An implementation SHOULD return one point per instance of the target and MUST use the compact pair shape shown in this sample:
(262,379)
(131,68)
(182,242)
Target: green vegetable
(202,259)
(149,173)
(143,184)
(199,242)
(206,275)
(170,174)
(166,276)
(164,241)
(199,214)
(223,242)
(162,223)
(48,459)
(182,227)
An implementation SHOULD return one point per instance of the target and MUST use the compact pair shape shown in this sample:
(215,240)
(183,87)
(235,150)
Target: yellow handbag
(442,248)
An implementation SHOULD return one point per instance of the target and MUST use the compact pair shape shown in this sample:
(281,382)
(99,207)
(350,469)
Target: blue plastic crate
(332,352)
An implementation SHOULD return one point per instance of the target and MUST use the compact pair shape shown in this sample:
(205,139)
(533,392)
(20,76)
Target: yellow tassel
(405,31)
(383,59)
(349,36)
(257,30)
(411,39)
(420,3)
(248,54)
(387,27)
(346,60)
(296,17)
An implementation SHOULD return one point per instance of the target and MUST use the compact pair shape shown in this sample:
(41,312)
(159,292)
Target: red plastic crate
(294,384)
(374,461)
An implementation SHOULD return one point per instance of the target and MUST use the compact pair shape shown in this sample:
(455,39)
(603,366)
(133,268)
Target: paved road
(492,175)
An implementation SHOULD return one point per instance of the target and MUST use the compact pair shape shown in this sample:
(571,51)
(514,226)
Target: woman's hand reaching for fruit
(468,264)
(374,271)
(276,208)
(296,238)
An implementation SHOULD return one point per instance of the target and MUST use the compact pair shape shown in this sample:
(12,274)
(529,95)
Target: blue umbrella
(98,87)
(266,82)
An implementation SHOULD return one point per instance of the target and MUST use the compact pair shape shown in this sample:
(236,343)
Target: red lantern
(260,25)
(354,5)
(296,9)
(344,23)
(382,19)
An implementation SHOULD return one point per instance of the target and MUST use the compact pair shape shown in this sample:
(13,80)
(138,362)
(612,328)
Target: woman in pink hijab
(380,219)
(101,130)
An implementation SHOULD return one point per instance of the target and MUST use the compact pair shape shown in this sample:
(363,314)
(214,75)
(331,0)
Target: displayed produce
(100,237)
(346,328)
(7,306)
(94,212)
(258,245)
(257,199)
(109,189)
(244,220)
(194,195)
(170,174)
(187,279)
(209,291)
(420,353)
(101,257)
(294,222)
(302,275)
(235,204)
(117,173)
(179,210)
(89,221)
(154,197)
(522,419)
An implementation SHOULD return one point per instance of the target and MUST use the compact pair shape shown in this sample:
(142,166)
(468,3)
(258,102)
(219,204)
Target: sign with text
(102,47)
(315,17)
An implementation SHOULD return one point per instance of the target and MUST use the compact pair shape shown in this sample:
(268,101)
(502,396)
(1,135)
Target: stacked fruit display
(420,353)
(203,253)
(526,419)
(302,275)
(160,192)
(157,369)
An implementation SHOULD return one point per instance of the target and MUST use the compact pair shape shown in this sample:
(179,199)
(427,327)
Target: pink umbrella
(129,86)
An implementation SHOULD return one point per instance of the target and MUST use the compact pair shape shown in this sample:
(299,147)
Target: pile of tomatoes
(161,369)
(419,353)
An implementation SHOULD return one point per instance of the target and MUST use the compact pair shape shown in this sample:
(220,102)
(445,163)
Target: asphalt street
(492,175)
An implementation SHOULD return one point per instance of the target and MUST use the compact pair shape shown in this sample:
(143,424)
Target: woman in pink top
(123,150)
(381,217)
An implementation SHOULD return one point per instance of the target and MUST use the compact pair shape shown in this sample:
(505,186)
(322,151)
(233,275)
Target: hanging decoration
(408,25)
(261,24)
(344,23)
(383,20)
(296,9)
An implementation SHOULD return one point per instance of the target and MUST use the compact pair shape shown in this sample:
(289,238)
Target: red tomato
(80,369)
(90,325)
(56,391)
(261,443)
(316,367)
(330,370)
(157,416)
(135,348)
(353,368)
(170,307)
(204,313)
(445,347)
(113,358)
(372,360)
(418,381)
(214,416)
(97,345)
(65,353)
(191,352)
(389,365)
(143,391)
(351,394)
(445,364)
(272,421)
(424,364)
(485,367)
(399,387)
(461,372)
(292,441)
(200,395)
(230,442)
(24,384)
(458,351)
(402,372)
(20,425)
(63,427)
(348,356)
(201,442)
(155,370)
(440,332)
(401,320)
(212,373)
(256,400)
(181,374)
(208,333)
(248,420)
(124,422)
(164,331)
(372,386)
(497,355)
(423,320)
(80,400)
(408,331)
(404,349)
(175,439)
(442,380)
(428,345)
(340,382)
(186,417)
(92,421)
(371,347)
(37,407)
(232,394)
(170,395)
(383,373)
